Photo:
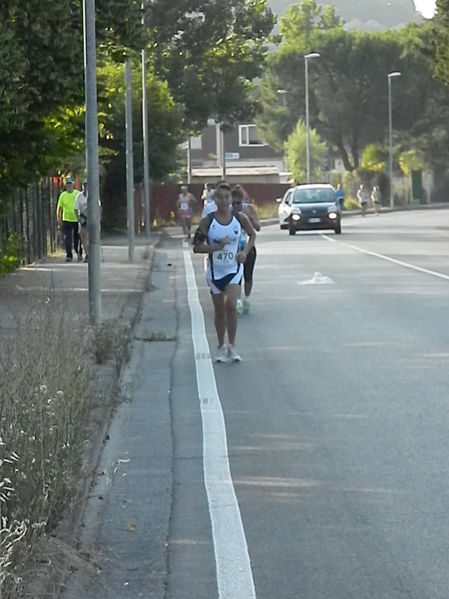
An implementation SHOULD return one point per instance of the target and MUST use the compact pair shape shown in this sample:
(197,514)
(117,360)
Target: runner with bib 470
(218,235)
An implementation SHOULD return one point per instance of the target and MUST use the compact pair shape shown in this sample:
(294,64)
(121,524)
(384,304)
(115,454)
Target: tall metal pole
(223,154)
(283,94)
(146,173)
(306,60)
(129,163)
(91,124)
(189,160)
(390,135)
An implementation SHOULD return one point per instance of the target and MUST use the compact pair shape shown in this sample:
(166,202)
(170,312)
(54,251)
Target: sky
(425,7)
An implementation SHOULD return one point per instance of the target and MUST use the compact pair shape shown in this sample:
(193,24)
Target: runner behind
(241,205)
(185,209)
(218,236)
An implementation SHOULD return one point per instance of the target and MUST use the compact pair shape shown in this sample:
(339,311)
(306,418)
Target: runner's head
(222,197)
(237,198)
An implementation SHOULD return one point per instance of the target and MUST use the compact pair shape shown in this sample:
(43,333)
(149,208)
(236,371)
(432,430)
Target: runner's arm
(252,215)
(59,213)
(199,243)
(248,227)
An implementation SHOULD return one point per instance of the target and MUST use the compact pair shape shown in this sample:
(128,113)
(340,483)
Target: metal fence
(30,216)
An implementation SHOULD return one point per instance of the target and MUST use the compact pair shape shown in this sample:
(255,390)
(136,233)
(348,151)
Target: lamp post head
(394,74)
(281,91)
(311,55)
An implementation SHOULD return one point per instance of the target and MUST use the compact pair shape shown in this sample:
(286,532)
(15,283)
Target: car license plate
(314,220)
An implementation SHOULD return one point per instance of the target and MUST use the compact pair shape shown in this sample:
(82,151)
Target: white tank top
(223,262)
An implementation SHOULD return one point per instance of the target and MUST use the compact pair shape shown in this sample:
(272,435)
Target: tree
(300,23)
(210,52)
(285,69)
(440,41)
(165,133)
(41,75)
(41,81)
(348,84)
(295,147)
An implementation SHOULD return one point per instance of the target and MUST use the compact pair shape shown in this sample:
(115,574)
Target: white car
(308,207)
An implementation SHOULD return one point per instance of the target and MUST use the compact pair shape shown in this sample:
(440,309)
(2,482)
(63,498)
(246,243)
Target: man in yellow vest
(68,221)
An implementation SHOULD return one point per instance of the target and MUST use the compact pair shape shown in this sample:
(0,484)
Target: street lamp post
(283,94)
(146,168)
(390,134)
(306,61)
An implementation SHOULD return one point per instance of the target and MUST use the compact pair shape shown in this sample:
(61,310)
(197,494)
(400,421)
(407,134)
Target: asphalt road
(318,467)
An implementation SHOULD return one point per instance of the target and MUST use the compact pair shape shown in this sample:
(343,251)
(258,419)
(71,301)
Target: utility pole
(307,57)
(146,174)
(189,160)
(223,154)
(390,135)
(129,163)
(91,125)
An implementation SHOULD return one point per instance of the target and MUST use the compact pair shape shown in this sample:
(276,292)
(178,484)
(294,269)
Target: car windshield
(313,196)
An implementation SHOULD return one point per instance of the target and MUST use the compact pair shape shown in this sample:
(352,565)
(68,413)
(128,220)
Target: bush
(351,204)
(10,253)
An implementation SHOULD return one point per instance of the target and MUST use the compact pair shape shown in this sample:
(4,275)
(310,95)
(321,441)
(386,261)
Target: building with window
(237,154)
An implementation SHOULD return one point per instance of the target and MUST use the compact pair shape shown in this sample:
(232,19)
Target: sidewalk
(122,283)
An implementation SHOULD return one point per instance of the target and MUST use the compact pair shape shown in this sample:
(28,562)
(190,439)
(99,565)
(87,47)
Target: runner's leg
(218,299)
(232,292)
(248,269)
(67,231)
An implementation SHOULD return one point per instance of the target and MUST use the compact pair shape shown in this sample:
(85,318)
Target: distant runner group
(71,216)
(227,234)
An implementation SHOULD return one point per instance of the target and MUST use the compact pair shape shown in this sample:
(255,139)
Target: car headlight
(296,216)
(332,215)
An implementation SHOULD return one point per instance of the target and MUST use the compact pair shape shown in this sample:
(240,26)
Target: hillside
(365,14)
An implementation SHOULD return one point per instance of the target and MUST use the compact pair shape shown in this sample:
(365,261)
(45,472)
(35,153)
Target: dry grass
(44,407)
(110,342)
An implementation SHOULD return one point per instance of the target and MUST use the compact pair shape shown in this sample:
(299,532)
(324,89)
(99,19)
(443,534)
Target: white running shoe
(233,354)
(222,354)
(239,306)
(245,306)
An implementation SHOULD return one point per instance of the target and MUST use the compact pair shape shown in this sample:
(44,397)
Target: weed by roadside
(110,342)
(44,407)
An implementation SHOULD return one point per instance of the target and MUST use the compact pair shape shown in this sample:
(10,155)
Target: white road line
(426,271)
(234,574)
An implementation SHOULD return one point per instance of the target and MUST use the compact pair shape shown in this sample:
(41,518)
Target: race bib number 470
(224,256)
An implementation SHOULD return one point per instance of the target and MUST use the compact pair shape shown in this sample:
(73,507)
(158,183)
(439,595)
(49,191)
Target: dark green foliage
(10,254)
(440,41)
(210,51)
(349,87)
(41,80)
(204,53)
(41,72)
